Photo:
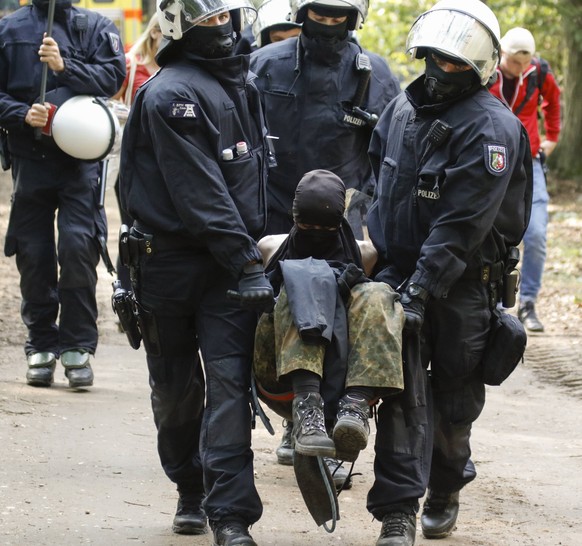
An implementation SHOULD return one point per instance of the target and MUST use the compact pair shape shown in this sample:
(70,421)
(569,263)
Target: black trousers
(437,455)
(57,278)
(204,445)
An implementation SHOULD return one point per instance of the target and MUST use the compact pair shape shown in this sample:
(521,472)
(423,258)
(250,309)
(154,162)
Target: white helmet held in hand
(464,29)
(85,128)
(176,17)
(360,7)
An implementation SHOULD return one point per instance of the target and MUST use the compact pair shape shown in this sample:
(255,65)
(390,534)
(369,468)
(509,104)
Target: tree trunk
(566,161)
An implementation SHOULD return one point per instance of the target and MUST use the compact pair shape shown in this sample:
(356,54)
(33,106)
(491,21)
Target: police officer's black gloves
(413,300)
(254,289)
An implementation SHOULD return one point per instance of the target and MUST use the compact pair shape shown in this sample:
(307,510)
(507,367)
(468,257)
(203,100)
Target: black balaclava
(210,42)
(443,86)
(320,199)
(326,35)
(61,8)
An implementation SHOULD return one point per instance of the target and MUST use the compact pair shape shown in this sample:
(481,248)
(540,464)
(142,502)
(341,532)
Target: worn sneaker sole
(349,437)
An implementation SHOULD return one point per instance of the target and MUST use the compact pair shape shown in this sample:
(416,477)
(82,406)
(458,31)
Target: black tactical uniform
(196,212)
(443,217)
(308,94)
(57,280)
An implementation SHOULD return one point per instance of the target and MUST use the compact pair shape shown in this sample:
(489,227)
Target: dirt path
(82,468)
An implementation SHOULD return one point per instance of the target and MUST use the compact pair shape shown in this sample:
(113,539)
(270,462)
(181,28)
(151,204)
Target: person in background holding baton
(83,55)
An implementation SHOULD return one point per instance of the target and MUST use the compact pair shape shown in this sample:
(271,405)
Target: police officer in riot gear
(453,198)
(273,23)
(83,56)
(192,176)
(321,93)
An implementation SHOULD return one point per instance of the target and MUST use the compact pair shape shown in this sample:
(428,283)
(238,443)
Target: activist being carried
(452,203)
(332,345)
(57,173)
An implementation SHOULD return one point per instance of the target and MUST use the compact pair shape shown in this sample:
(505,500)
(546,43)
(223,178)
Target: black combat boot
(309,427)
(351,431)
(190,518)
(527,315)
(77,368)
(232,532)
(439,514)
(398,529)
(41,369)
(285,450)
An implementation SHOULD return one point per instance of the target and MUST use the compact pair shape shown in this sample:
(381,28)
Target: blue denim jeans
(534,240)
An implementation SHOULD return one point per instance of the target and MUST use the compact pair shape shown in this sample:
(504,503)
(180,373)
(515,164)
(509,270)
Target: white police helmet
(178,16)
(84,128)
(464,29)
(299,9)
(272,13)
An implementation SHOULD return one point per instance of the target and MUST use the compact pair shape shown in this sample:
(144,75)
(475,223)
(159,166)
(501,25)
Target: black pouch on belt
(505,347)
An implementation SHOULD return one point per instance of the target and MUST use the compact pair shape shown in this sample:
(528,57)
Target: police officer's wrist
(415,291)
(254,266)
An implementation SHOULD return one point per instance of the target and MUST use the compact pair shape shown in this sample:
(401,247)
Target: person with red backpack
(526,84)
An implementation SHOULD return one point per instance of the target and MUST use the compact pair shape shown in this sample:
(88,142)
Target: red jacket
(529,113)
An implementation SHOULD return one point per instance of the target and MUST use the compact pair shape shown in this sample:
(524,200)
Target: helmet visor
(185,14)
(270,13)
(458,35)
(361,6)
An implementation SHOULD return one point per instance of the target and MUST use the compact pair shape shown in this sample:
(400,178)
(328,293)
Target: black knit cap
(320,199)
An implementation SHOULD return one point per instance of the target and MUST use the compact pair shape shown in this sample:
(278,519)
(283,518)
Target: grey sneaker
(309,430)
(41,369)
(285,450)
(527,315)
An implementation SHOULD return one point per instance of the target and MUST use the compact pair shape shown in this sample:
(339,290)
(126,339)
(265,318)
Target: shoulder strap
(534,80)
(542,69)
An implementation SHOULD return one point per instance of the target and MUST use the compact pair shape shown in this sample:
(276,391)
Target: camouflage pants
(375,321)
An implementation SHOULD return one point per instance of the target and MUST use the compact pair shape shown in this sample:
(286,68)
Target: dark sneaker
(439,514)
(77,368)
(342,478)
(527,315)
(232,532)
(285,450)
(351,431)
(398,529)
(41,369)
(190,518)
(309,431)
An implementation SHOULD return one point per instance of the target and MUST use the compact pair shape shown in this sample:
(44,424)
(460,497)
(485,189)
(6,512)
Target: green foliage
(389,21)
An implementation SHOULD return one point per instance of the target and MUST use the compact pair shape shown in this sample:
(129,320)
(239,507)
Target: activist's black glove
(350,276)
(413,301)
(254,289)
